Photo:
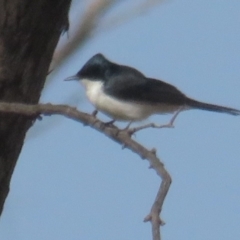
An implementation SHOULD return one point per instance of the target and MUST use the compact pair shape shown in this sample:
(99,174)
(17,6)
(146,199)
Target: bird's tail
(212,107)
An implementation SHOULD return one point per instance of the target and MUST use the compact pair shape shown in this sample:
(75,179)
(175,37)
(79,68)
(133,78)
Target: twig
(149,125)
(120,136)
(153,125)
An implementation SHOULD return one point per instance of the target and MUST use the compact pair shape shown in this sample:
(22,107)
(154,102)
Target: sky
(72,182)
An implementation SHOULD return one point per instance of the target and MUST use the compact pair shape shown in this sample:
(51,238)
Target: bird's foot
(110,123)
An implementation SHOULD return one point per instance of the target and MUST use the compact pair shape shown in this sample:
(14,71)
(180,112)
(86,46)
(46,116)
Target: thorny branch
(123,137)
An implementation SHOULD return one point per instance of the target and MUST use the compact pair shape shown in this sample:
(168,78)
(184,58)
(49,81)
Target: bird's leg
(153,125)
(106,124)
(128,125)
(95,112)
(170,124)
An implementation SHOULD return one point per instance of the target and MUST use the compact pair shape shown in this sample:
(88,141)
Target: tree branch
(120,136)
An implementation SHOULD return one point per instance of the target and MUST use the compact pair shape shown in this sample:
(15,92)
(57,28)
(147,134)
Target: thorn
(39,117)
(148,218)
(47,114)
(162,223)
(124,146)
(154,151)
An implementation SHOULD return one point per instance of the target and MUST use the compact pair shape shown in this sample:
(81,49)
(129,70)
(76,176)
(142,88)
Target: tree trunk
(29,32)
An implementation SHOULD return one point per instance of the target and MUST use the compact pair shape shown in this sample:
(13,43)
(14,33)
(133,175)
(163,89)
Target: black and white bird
(124,93)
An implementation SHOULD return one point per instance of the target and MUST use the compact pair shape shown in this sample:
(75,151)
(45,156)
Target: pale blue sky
(72,182)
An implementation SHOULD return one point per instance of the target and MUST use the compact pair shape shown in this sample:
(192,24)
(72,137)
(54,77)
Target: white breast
(121,110)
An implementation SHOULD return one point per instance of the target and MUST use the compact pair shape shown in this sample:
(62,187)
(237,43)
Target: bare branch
(120,136)
(153,125)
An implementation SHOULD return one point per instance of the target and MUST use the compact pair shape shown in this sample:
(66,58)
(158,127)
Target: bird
(125,94)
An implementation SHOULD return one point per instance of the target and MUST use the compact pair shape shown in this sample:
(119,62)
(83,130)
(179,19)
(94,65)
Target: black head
(97,67)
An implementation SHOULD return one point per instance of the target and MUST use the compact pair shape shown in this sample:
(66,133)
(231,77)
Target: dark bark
(29,32)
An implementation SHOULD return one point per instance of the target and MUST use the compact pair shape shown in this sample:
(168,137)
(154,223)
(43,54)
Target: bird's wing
(128,87)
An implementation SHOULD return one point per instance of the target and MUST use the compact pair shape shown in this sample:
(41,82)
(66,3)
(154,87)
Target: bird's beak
(75,77)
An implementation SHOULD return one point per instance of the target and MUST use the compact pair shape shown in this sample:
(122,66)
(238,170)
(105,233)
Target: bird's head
(94,69)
